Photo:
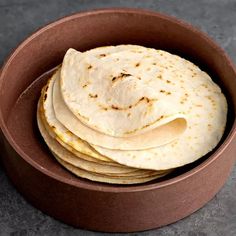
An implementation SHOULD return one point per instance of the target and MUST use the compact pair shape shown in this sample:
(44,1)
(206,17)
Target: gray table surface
(19,18)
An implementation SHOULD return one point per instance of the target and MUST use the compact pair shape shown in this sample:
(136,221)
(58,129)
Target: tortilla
(206,113)
(70,147)
(99,178)
(131,104)
(102,168)
(63,133)
(94,172)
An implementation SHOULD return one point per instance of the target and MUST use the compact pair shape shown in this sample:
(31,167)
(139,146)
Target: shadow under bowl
(87,204)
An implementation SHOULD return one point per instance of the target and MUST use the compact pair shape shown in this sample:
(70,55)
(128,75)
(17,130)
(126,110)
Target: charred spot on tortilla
(120,76)
(93,95)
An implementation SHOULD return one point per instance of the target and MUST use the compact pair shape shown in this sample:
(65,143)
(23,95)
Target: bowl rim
(115,188)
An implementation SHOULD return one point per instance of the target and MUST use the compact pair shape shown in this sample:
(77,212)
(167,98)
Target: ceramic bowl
(96,206)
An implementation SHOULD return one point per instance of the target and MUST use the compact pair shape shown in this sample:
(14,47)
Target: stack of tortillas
(129,114)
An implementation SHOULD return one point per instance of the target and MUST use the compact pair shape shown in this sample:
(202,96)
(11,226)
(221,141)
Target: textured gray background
(19,18)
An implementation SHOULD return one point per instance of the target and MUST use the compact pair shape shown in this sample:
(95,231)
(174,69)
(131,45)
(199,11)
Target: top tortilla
(123,91)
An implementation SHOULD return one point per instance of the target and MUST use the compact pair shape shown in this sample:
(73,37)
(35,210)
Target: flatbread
(128,114)
(144,141)
(62,132)
(198,97)
(99,178)
(70,148)
(206,112)
(89,172)
(101,168)
(119,105)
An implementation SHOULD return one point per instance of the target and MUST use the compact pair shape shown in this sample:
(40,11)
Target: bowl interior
(30,65)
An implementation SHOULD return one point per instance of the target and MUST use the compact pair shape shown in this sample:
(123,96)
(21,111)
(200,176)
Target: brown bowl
(92,205)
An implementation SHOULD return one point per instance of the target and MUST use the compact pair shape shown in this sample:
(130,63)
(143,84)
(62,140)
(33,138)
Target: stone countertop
(19,18)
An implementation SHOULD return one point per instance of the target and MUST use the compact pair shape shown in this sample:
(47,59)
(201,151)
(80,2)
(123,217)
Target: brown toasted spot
(168,93)
(148,100)
(45,96)
(154,63)
(167,81)
(68,132)
(89,67)
(121,76)
(159,76)
(93,95)
(137,64)
(145,126)
(84,117)
(129,114)
(102,55)
(53,127)
(114,107)
(125,75)
(162,91)
(85,85)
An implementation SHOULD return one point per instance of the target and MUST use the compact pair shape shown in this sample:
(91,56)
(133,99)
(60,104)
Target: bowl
(83,203)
